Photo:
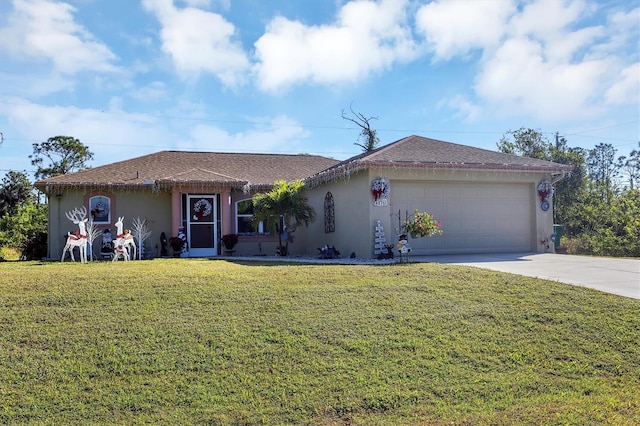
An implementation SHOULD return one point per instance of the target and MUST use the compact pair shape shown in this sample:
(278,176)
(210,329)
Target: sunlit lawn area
(176,341)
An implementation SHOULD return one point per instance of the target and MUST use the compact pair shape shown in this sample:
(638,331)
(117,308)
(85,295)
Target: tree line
(23,217)
(597,203)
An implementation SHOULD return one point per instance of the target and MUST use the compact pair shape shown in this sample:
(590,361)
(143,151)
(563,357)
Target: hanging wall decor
(545,192)
(545,189)
(329,213)
(380,189)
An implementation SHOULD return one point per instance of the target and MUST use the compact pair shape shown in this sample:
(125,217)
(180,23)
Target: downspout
(555,179)
(558,177)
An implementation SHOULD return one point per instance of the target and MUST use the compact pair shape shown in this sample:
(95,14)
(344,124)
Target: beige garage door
(475,217)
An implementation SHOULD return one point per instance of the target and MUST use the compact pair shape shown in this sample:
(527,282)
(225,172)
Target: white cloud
(279,134)
(117,134)
(517,79)
(34,85)
(111,135)
(366,37)
(200,41)
(197,3)
(151,92)
(546,19)
(547,60)
(467,110)
(455,28)
(627,88)
(46,29)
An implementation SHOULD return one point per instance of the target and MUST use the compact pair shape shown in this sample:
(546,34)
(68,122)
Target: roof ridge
(271,154)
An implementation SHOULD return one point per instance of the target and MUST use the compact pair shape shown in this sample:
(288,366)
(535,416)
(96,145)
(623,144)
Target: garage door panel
(475,217)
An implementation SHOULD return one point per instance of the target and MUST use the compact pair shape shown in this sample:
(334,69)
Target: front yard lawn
(177,341)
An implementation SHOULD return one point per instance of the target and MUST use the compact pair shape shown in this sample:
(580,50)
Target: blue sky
(131,77)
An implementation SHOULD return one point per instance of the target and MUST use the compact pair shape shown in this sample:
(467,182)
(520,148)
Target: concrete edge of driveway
(618,276)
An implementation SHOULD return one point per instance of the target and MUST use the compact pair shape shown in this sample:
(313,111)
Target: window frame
(259,232)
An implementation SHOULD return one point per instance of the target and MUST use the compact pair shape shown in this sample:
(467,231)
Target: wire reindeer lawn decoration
(79,217)
(121,242)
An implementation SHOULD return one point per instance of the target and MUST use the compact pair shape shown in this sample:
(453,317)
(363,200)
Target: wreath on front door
(202,208)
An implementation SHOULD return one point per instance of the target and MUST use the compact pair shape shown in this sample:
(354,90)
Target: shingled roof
(168,169)
(420,152)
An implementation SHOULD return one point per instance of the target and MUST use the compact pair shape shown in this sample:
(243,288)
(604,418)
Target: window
(244,217)
(100,208)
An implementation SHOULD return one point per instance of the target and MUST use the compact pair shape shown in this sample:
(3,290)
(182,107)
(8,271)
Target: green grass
(213,342)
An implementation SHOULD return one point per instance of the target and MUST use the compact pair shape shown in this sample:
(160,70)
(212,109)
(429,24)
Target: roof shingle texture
(417,149)
(170,168)
(179,167)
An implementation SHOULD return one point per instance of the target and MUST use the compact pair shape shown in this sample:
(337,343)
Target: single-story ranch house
(485,201)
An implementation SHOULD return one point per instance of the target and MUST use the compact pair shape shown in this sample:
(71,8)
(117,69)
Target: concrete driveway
(610,275)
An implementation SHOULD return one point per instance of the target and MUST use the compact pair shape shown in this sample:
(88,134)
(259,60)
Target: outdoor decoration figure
(106,250)
(183,236)
(329,252)
(403,248)
(79,239)
(142,232)
(129,243)
(163,245)
(120,249)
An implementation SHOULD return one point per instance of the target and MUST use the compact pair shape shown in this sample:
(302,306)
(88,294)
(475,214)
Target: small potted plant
(229,241)
(176,244)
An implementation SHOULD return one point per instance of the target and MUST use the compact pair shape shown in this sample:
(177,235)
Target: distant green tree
(597,218)
(525,143)
(368,135)
(602,165)
(606,227)
(65,154)
(603,169)
(568,189)
(26,230)
(630,167)
(15,191)
(285,206)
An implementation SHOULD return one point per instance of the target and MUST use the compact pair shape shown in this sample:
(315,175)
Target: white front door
(201,225)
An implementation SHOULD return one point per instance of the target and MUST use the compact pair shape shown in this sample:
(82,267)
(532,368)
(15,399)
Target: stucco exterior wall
(356,215)
(353,227)
(354,210)
(154,207)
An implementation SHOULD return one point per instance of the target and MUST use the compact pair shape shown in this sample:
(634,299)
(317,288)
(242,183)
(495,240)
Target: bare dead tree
(367,135)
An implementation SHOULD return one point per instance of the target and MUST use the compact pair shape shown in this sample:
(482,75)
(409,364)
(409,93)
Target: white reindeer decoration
(130,243)
(79,217)
(122,242)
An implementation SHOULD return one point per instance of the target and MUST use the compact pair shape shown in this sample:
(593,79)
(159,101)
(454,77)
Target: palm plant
(285,206)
